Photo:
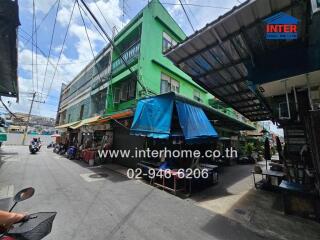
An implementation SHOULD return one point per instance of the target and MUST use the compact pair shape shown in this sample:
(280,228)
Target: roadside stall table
(88,155)
(187,182)
(270,178)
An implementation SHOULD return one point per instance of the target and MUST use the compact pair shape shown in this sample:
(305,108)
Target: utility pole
(28,121)
(115,48)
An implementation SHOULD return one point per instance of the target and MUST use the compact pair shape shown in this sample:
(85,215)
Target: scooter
(33,148)
(35,226)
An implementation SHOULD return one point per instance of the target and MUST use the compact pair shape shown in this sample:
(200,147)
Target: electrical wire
(185,12)
(43,19)
(62,48)
(5,106)
(26,39)
(95,1)
(32,37)
(115,47)
(91,48)
(50,48)
(196,5)
(94,25)
(36,50)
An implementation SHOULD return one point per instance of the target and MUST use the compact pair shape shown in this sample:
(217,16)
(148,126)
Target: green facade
(146,30)
(141,45)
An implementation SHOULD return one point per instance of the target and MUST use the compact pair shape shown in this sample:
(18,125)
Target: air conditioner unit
(116,95)
(315,5)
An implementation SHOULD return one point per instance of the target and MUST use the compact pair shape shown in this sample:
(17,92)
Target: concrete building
(145,72)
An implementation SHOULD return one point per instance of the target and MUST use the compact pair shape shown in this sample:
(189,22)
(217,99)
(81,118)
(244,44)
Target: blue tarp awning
(153,117)
(194,123)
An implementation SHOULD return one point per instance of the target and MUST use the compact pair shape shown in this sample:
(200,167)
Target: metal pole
(29,115)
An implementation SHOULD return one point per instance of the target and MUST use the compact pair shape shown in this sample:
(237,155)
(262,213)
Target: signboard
(281,27)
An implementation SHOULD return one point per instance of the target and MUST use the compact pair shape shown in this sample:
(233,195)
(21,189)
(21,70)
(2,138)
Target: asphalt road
(111,207)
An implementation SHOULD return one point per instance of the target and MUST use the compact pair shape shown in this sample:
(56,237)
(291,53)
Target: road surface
(111,207)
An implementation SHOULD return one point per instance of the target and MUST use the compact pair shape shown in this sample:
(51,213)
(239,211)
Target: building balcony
(130,55)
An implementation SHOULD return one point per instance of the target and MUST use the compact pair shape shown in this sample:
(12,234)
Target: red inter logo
(281,28)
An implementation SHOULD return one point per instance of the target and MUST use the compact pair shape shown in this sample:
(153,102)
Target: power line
(114,46)
(62,47)
(95,1)
(196,5)
(187,15)
(94,24)
(5,106)
(85,28)
(50,48)
(36,52)
(33,44)
(63,63)
(32,38)
(43,19)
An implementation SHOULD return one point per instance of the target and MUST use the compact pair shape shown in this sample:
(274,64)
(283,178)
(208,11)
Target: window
(168,84)
(197,95)
(167,42)
(126,92)
(81,111)
(116,95)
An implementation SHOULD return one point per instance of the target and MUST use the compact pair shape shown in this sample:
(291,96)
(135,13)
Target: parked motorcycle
(32,227)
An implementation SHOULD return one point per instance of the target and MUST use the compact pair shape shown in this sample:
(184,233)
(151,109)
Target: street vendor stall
(169,123)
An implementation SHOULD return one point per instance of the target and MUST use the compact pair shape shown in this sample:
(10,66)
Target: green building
(109,86)
(141,44)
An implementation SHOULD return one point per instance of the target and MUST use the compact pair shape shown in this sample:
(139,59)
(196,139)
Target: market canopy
(85,122)
(154,118)
(223,56)
(67,125)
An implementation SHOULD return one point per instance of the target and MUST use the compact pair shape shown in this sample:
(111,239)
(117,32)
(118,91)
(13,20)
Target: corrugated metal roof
(219,56)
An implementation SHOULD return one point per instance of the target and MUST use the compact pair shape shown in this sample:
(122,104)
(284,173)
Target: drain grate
(98,175)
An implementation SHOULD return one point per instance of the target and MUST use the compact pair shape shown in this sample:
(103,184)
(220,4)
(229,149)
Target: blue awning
(153,117)
(194,123)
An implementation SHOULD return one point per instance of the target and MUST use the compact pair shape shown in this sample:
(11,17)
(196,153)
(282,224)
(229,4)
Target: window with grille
(197,95)
(169,84)
(167,42)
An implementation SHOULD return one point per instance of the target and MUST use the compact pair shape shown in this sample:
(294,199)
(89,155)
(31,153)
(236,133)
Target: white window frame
(172,84)
(197,95)
(169,39)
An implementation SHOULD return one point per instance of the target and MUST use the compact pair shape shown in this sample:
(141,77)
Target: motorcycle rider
(9,218)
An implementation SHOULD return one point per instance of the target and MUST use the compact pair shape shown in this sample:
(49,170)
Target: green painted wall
(151,22)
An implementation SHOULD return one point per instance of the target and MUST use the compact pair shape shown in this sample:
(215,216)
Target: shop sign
(281,26)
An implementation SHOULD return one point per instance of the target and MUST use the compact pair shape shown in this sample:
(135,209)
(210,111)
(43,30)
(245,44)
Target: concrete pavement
(99,203)
(108,208)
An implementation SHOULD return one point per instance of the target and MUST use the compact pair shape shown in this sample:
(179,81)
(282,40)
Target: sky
(46,77)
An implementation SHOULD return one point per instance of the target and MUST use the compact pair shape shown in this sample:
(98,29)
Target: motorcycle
(35,226)
(33,148)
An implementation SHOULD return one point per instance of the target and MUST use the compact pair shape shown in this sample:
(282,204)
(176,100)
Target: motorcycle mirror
(22,195)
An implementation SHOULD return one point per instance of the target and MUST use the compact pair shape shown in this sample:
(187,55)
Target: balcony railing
(129,56)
